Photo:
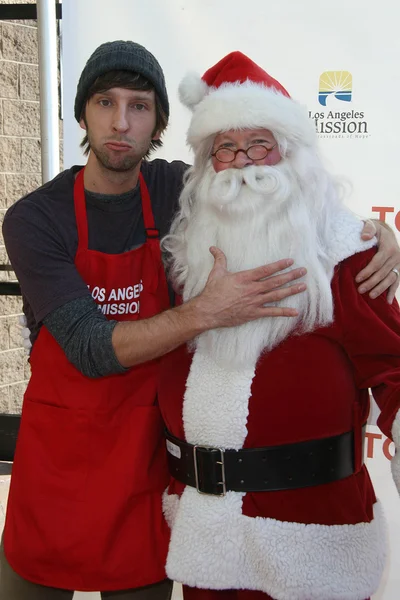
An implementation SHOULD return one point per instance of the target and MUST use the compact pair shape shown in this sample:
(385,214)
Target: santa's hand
(231,299)
(25,333)
(379,275)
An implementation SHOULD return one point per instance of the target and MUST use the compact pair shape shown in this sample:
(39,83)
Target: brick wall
(20,168)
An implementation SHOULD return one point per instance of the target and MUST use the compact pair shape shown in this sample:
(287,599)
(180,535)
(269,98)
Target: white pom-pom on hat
(192,90)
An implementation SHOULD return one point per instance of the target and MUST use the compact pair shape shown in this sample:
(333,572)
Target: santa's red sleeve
(371,337)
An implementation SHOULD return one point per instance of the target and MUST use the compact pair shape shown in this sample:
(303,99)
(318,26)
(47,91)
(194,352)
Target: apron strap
(81,215)
(148,218)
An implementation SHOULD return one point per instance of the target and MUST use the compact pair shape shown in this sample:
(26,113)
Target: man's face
(244,139)
(120,126)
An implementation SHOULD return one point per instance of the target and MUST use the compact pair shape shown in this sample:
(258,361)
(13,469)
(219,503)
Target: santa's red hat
(238,94)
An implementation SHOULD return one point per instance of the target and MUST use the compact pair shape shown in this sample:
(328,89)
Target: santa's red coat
(325,542)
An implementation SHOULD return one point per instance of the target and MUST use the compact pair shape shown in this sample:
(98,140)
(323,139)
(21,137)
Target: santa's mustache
(225,187)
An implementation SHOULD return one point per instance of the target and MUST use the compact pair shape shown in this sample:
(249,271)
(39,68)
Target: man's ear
(156,136)
(82,124)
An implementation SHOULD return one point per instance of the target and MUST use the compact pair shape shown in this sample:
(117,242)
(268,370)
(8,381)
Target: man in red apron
(84,508)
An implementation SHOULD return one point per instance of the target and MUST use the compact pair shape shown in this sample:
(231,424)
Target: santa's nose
(241,160)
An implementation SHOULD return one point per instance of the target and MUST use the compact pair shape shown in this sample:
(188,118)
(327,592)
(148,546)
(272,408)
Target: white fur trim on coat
(395,462)
(250,105)
(214,546)
(345,237)
(216,403)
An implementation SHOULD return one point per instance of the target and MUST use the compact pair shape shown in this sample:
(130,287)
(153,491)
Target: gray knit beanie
(121,56)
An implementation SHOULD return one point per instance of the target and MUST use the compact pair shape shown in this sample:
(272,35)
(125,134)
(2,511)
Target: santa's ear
(192,90)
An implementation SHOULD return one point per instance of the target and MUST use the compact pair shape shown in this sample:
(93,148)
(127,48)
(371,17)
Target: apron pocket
(51,454)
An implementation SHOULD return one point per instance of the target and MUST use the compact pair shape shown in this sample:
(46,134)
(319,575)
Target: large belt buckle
(219,462)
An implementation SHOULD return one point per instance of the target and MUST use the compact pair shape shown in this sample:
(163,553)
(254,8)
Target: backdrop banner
(333,57)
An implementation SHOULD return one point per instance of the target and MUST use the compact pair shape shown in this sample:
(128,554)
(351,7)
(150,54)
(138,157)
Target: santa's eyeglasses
(256,152)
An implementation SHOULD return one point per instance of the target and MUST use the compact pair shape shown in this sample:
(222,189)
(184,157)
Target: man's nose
(120,121)
(241,160)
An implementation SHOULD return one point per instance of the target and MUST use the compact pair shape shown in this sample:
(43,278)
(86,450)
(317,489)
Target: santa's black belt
(216,471)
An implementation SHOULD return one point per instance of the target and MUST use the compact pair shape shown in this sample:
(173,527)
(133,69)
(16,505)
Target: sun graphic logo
(336,83)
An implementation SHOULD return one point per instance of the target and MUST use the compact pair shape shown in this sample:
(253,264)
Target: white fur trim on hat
(249,105)
(192,90)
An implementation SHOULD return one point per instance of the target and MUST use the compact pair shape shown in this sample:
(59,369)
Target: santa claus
(269,496)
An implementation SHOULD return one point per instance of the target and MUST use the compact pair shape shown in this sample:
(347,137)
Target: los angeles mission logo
(118,301)
(337,116)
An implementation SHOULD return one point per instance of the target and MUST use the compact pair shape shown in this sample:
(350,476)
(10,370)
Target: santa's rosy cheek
(273,157)
(219,166)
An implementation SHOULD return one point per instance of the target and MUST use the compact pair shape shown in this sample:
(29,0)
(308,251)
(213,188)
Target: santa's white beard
(256,216)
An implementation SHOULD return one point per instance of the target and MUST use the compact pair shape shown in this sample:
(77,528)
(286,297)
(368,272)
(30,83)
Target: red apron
(84,510)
